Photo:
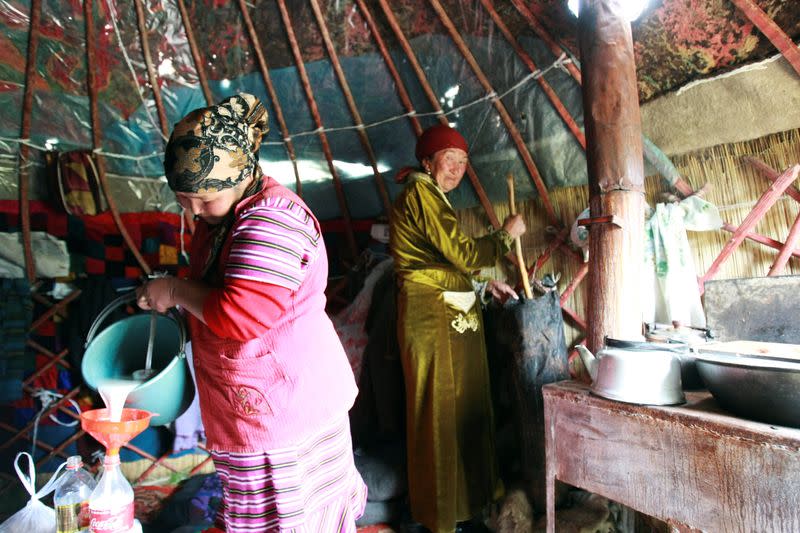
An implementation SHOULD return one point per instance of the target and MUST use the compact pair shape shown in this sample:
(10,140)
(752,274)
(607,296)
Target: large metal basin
(766,390)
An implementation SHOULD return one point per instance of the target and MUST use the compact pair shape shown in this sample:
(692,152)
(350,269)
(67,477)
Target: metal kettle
(634,372)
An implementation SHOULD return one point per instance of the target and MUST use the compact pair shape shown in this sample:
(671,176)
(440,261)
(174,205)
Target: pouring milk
(114,392)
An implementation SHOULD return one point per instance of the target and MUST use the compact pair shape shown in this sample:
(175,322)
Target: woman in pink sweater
(273,380)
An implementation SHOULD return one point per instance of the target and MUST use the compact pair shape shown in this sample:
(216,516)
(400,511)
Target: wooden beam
(769,197)
(560,108)
(91,83)
(194,49)
(151,70)
(576,280)
(519,142)
(772,31)
(351,105)
(757,237)
(434,101)
(771,174)
(314,109)
(402,92)
(273,94)
(538,28)
(788,249)
(25,133)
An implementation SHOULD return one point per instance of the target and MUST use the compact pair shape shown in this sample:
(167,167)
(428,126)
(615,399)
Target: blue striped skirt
(311,488)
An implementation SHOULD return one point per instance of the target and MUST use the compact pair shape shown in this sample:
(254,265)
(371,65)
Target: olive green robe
(452,470)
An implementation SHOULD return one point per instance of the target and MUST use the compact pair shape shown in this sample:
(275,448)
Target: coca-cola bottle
(111,502)
(71,499)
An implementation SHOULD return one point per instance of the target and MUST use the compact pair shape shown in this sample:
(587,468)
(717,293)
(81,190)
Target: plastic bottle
(71,499)
(111,502)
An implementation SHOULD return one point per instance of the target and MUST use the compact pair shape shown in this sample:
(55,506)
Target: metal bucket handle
(129,297)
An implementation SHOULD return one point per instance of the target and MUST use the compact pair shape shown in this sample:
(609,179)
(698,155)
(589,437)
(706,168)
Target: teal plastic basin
(120,349)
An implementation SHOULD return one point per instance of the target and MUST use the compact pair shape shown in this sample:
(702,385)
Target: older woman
(452,470)
(272,377)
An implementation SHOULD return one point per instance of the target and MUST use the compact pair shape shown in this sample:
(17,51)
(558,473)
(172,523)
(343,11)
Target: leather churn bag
(527,349)
(74,182)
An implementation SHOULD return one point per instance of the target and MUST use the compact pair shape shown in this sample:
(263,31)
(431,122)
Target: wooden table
(693,466)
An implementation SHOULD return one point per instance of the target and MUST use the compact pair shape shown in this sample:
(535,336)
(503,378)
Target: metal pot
(757,388)
(634,372)
(681,340)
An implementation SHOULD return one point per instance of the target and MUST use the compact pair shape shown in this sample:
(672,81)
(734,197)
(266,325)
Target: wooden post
(616,171)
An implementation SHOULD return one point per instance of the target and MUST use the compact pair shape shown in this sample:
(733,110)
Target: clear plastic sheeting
(132,143)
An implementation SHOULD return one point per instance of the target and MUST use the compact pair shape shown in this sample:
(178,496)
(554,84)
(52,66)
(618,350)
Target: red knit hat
(439,137)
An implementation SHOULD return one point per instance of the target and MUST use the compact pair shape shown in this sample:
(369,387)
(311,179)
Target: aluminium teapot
(634,372)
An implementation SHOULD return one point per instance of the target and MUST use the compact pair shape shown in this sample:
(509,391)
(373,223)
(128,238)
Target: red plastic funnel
(113,435)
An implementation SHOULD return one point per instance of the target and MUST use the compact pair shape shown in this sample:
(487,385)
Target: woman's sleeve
(273,246)
(443,231)
(244,309)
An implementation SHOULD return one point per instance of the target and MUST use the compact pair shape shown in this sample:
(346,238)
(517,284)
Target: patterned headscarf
(216,147)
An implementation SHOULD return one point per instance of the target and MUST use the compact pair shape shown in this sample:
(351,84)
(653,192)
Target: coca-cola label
(72,517)
(112,520)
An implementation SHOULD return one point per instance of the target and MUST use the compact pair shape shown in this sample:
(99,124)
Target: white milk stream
(114,393)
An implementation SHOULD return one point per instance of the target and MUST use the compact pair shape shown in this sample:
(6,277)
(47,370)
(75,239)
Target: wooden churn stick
(523,271)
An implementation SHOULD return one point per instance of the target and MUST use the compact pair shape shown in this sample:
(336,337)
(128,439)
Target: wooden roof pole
(426,87)
(519,142)
(560,108)
(788,248)
(772,31)
(771,174)
(273,94)
(402,92)
(757,237)
(91,82)
(545,36)
(615,163)
(766,201)
(151,70)
(351,104)
(326,148)
(25,132)
(193,48)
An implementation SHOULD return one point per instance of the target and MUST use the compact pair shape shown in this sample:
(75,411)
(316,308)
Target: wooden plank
(691,465)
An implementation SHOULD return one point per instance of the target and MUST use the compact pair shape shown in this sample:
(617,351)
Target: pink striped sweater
(280,386)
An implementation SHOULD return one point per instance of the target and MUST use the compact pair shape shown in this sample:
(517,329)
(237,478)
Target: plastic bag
(35,517)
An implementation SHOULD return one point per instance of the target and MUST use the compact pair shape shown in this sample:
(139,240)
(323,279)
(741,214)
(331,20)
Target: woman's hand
(514,225)
(158,294)
(501,290)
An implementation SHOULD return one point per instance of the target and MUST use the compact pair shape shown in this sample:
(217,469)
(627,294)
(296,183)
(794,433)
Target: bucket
(120,349)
